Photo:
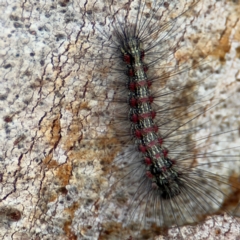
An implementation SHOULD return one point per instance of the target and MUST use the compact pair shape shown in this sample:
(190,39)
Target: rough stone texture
(53,134)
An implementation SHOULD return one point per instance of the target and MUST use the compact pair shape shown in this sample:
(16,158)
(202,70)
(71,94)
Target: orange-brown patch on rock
(232,199)
(49,162)
(63,172)
(67,225)
(238,52)
(51,129)
(68,231)
(55,133)
(223,47)
(84,105)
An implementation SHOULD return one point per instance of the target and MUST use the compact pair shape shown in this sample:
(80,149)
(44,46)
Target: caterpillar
(160,191)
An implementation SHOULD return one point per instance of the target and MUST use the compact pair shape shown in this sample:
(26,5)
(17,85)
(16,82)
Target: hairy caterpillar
(191,191)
